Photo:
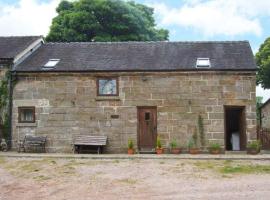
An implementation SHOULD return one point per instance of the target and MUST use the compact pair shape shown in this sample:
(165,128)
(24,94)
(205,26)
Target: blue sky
(185,19)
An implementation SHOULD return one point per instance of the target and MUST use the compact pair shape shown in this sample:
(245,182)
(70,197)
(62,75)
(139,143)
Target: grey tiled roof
(265,103)
(141,56)
(10,47)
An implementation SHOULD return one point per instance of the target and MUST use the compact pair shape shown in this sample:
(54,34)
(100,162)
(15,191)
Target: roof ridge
(150,42)
(16,36)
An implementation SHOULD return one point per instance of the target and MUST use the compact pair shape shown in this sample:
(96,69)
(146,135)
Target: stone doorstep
(136,156)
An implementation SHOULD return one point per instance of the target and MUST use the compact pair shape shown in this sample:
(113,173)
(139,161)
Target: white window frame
(51,64)
(203,66)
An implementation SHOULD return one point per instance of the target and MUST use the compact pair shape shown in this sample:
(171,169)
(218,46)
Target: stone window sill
(26,124)
(108,98)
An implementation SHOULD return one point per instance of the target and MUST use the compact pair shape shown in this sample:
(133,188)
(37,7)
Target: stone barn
(136,90)
(13,50)
(265,114)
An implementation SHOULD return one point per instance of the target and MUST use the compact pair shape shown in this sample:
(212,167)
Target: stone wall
(66,104)
(265,113)
(2,72)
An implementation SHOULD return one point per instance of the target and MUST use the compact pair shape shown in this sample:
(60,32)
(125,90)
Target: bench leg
(98,150)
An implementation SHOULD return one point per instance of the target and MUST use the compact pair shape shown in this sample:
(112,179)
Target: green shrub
(201,130)
(173,143)
(130,144)
(191,143)
(159,145)
(215,146)
(254,145)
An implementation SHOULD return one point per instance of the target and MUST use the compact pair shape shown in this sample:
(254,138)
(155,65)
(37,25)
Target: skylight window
(52,63)
(203,63)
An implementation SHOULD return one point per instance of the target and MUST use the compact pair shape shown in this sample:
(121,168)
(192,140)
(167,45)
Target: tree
(263,61)
(258,106)
(104,20)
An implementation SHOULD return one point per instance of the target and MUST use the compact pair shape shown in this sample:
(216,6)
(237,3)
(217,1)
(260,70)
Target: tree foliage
(4,104)
(258,105)
(263,61)
(104,20)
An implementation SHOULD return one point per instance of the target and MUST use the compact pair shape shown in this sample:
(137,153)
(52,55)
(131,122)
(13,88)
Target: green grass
(229,167)
(205,164)
(41,178)
(245,169)
(2,161)
(128,181)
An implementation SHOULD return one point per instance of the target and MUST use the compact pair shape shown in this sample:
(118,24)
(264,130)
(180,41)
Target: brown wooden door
(147,127)
(243,136)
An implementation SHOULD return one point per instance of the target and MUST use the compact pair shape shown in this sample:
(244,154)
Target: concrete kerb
(136,156)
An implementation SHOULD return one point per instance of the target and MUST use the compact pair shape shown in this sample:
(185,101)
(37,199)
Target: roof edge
(149,42)
(265,103)
(164,70)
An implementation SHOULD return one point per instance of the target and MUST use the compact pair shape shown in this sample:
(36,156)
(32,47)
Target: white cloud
(216,17)
(27,17)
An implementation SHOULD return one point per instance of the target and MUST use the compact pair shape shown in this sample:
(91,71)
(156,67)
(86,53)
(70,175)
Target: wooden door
(243,136)
(147,127)
(235,121)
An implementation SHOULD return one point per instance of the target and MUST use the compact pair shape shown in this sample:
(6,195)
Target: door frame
(138,122)
(242,126)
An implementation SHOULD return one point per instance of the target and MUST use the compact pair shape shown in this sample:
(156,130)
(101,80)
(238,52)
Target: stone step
(147,151)
(235,152)
(265,151)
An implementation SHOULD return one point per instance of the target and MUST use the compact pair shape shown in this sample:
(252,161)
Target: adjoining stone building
(13,50)
(265,114)
(136,90)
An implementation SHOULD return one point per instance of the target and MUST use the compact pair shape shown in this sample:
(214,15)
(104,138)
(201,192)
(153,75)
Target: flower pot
(194,150)
(175,150)
(214,151)
(253,151)
(130,151)
(159,150)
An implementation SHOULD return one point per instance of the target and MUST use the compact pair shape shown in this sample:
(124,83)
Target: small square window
(26,114)
(107,87)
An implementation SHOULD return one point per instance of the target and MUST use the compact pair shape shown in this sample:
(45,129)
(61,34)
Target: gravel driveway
(83,179)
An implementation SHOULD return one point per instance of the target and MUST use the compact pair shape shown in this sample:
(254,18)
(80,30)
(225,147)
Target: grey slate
(10,47)
(140,56)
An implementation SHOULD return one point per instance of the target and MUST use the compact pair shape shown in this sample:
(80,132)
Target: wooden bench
(89,140)
(32,141)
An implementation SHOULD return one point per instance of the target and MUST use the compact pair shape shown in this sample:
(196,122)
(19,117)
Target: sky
(187,20)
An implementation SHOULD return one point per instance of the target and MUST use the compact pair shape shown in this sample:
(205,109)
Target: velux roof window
(50,64)
(203,63)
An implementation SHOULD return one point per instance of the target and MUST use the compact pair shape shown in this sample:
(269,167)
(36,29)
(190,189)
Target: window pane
(26,114)
(147,116)
(107,86)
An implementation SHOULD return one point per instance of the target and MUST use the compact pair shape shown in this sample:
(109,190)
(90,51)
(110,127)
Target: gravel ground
(82,179)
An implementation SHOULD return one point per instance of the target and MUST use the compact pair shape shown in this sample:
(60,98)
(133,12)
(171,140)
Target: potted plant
(159,149)
(174,147)
(130,147)
(215,148)
(192,147)
(193,143)
(254,147)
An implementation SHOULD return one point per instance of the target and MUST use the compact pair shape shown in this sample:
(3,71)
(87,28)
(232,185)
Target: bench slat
(90,140)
